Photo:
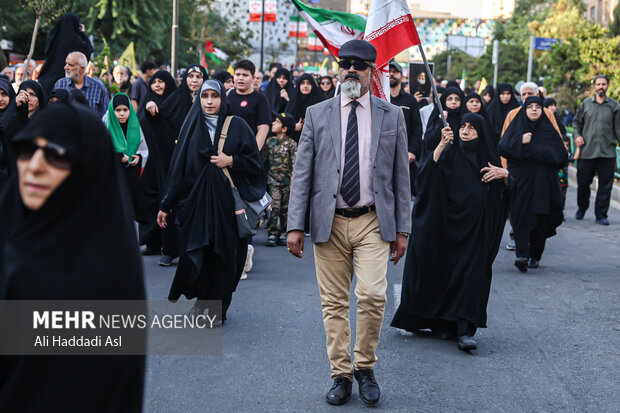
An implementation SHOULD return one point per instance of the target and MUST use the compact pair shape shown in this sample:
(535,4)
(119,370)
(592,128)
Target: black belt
(354,212)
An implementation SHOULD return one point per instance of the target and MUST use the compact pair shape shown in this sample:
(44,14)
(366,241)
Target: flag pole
(432,80)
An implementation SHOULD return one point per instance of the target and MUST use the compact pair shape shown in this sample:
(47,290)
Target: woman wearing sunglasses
(327,87)
(67,235)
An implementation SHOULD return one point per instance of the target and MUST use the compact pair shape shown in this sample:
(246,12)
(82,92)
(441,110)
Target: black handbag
(249,215)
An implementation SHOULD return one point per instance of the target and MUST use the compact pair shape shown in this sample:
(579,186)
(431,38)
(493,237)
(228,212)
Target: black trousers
(586,168)
(532,244)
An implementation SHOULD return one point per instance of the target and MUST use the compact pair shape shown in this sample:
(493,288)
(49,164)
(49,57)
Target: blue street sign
(544,43)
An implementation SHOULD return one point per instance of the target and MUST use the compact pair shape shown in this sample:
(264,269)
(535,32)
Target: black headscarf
(62,95)
(222,76)
(457,221)
(299,102)
(483,110)
(534,169)
(453,84)
(432,136)
(15,118)
(8,89)
(498,111)
(85,248)
(332,90)
(201,195)
(170,86)
(66,37)
(177,105)
(277,103)
(6,86)
(79,97)
(490,90)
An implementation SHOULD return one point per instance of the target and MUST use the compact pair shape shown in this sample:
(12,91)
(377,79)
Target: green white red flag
(391,30)
(334,28)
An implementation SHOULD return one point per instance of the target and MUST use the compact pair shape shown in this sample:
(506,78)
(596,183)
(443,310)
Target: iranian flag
(334,28)
(391,30)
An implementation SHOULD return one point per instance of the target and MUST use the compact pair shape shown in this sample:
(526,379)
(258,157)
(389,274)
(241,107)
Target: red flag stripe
(393,38)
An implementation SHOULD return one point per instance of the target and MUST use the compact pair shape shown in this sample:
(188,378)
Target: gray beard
(351,89)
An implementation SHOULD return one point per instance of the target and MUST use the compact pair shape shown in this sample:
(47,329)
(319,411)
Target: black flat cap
(358,49)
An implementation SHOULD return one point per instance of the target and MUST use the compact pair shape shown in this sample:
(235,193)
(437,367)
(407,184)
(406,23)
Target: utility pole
(175,37)
(495,61)
(262,36)
(530,60)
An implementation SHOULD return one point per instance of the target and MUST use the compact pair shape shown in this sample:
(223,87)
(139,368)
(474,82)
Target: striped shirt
(93,89)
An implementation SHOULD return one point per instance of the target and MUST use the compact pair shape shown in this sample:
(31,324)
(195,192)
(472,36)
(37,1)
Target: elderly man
(20,76)
(596,131)
(8,72)
(120,75)
(75,77)
(352,171)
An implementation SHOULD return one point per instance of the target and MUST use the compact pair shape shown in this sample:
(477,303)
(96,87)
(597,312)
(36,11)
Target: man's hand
(295,243)
(411,157)
(397,249)
(579,141)
(527,138)
(222,160)
(161,219)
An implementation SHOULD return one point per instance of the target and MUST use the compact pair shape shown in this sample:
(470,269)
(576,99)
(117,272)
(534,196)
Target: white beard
(351,89)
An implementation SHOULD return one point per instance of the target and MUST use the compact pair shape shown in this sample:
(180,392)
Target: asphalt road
(552,342)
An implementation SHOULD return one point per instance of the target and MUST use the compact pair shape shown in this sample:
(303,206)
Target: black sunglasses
(357,64)
(55,154)
(327,82)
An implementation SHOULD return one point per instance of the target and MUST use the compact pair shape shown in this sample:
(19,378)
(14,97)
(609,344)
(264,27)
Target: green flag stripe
(325,16)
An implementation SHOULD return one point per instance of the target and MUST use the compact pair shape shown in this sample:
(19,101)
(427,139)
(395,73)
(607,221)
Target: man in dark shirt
(410,108)
(596,130)
(252,106)
(139,88)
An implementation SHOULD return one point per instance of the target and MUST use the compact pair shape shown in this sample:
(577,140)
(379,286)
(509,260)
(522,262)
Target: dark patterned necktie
(350,188)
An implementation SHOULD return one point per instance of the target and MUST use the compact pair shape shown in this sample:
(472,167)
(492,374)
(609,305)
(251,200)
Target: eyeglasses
(357,65)
(327,83)
(55,155)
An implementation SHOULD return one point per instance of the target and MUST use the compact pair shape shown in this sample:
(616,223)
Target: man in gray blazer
(352,171)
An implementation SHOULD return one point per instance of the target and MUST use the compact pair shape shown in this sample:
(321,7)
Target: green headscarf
(129,144)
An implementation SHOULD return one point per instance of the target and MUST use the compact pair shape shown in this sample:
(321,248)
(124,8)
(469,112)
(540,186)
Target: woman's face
(229,84)
(282,81)
(486,97)
(40,174)
(467,132)
(473,105)
(4,99)
(194,80)
(122,113)
(210,101)
(158,86)
(33,101)
(504,97)
(453,101)
(533,111)
(326,84)
(552,108)
(305,87)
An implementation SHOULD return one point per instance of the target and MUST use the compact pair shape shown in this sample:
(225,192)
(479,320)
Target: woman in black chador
(535,152)
(458,218)
(67,234)
(503,102)
(212,255)
(280,90)
(307,93)
(452,103)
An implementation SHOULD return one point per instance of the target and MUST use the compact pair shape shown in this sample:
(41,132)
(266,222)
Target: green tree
(52,10)
(614,27)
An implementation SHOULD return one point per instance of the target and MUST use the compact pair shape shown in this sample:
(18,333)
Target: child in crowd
(280,151)
(128,140)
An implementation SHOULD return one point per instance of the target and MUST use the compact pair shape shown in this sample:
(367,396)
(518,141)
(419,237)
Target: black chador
(432,136)
(80,245)
(457,224)
(536,209)
(498,111)
(212,255)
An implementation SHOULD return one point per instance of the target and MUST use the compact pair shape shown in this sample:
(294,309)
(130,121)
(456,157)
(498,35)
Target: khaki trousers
(355,245)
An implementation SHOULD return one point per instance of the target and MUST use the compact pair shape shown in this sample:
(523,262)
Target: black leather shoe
(579,214)
(340,391)
(467,343)
(521,264)
(368,387)
(533,263)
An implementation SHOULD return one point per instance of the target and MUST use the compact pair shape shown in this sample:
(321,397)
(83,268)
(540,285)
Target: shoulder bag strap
(220,146)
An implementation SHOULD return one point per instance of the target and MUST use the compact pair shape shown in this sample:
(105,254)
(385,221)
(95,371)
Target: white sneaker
(511,246)
(248,261)
(244,275)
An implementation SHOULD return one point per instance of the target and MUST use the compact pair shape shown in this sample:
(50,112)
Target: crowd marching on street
(203,160)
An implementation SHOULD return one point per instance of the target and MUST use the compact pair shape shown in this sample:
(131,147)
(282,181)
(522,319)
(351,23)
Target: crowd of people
(175,155)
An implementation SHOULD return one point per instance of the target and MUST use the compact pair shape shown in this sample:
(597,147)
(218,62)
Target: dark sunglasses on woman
(357,64)
(54,154)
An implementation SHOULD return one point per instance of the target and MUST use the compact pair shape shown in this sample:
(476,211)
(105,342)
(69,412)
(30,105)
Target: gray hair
(531,86)
(81,58)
